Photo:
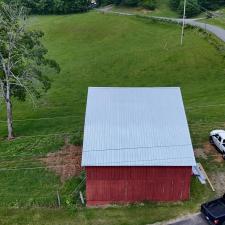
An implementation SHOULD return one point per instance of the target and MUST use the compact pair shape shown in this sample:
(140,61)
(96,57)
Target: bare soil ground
(218,181)
(66,163)
(217,178)
(208,150)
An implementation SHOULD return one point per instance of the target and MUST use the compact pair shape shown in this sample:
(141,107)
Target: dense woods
(194,7)
(148,4)
(54,6)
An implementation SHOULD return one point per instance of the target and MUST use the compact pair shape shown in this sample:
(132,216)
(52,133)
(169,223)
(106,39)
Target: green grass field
(95,49)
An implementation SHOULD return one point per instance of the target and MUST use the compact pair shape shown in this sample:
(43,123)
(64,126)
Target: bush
(149,4)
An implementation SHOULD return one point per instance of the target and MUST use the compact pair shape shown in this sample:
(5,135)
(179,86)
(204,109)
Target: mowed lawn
(96,49)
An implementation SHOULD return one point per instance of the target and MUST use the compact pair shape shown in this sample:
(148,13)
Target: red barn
(137,146)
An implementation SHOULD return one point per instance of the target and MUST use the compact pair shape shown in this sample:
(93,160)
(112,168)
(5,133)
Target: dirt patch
(66,163)
(218,181)
(200,153)
(208,150)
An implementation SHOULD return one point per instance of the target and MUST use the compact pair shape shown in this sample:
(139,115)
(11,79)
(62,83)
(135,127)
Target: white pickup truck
(217,138)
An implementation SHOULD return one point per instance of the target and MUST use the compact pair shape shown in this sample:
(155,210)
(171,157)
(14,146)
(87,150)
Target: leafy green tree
(192,8)
(22,58)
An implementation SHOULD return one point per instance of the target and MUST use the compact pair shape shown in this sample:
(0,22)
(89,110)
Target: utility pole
(184,16)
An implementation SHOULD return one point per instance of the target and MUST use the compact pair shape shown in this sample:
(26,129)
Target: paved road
(194,220)
(217,31)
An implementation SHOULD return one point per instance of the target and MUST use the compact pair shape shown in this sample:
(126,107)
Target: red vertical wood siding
(123,184)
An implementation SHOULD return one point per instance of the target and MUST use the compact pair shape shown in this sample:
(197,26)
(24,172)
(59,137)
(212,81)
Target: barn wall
(105,185)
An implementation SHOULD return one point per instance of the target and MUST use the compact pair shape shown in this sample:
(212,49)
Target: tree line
(53,6)
(148,4)
(195,7)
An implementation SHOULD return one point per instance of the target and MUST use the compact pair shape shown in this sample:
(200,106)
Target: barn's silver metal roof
(136,127)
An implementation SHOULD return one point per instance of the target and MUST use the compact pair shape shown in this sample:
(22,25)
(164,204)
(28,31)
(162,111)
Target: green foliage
(105,2)
(131,3)
(211,4)
(54,6)
(149,4)
(174,4)
(22,49)
(70,191)
(192,8)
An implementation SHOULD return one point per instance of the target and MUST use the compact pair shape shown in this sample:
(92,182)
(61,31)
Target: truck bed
(216,208)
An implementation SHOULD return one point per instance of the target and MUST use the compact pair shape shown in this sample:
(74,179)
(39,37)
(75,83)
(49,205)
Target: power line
(43,118)
(111,149)
(34,168)
(115,149)
(139,147)
(78,186)
(205,106)
(81,114)
(49,167)
(77,116)
(44,135)
(199,7)
(31,155)
(26,195)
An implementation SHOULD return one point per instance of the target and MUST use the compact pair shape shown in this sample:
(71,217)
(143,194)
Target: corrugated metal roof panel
(136,127)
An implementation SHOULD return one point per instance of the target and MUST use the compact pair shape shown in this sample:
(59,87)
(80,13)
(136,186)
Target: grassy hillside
(162,9)
(96,49)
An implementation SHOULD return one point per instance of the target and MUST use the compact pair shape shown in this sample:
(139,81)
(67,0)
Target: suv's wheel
(211,140)
(224,159)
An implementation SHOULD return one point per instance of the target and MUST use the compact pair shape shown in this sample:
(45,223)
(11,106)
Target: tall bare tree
(22,58)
